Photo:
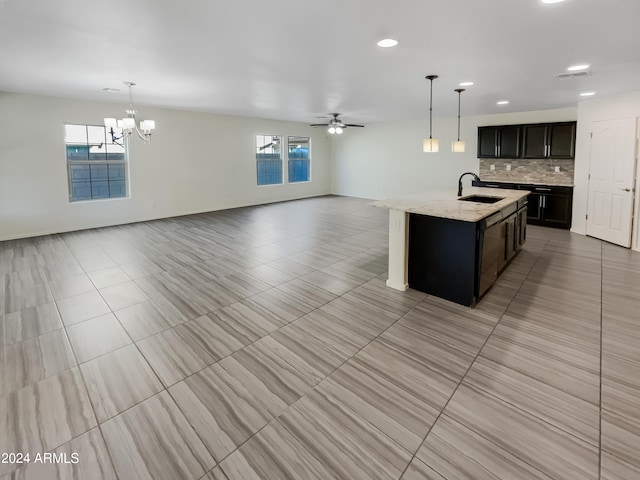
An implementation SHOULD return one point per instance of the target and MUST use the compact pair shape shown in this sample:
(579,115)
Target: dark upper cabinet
(542,140)
(509,142)
(499,142)
(562,140)
(535,141)
(549,140)
(487,142)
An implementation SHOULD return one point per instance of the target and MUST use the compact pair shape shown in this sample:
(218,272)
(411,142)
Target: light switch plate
(492,167)
(508,167)
(557,169)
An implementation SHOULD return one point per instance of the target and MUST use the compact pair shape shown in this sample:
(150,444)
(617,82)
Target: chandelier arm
(144,137)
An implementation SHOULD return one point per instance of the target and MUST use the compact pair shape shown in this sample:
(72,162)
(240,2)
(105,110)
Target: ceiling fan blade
(353,125)
(319,125)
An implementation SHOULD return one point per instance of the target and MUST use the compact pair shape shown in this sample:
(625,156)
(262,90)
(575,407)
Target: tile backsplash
(524,170)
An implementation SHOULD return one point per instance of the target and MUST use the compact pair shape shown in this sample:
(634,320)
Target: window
(96,164)
(298,159)
(269,159)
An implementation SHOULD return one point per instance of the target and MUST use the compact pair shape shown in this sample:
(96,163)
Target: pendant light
(457,146)
(430,144)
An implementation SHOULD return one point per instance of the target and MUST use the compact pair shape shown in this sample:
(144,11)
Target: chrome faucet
(475,177)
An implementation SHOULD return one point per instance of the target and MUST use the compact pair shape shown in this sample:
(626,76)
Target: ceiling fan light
(430,145)
(457,146)
(331,130)
(339,130)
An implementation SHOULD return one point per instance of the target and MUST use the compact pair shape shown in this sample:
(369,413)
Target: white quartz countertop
(445,203)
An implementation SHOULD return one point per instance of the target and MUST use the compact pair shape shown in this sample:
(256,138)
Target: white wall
(621,106)
(195,163)
(385,159)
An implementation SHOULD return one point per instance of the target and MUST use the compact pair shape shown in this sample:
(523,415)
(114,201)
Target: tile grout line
(76,365)
(312,389)
(285,360)
(166,388)
(538,255)
(84,381)
(316,386)
(600,376)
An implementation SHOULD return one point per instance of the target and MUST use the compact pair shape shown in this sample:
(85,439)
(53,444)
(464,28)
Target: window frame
(282,169)
(308,158)
(70,163)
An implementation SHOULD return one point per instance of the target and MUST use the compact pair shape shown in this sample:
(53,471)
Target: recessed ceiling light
(587,94)
(387,42)
(580,66)
(502,102)
(551,1)
(466,84)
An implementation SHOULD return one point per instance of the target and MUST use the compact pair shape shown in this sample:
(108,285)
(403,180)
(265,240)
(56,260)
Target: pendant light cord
(459,90)
(430,105)
(459,115)
(431,78)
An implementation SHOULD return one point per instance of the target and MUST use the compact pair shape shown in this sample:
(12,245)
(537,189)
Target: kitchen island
(454,247)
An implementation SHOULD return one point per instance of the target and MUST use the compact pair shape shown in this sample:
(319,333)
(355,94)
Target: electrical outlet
(508,166)
(492,167)
(557,170)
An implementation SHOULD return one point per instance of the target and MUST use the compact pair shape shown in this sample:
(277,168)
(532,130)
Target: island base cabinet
(443,257)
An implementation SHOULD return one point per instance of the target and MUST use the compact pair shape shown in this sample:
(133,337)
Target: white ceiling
(298,59)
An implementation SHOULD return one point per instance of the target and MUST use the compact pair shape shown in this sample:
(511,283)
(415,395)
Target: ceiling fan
(336,126)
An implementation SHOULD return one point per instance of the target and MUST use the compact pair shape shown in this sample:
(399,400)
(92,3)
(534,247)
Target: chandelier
(129,124)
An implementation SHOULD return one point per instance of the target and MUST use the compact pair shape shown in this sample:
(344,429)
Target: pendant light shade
(457,146)
(430,145)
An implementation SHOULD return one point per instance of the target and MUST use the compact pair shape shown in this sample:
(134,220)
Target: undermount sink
(481,199)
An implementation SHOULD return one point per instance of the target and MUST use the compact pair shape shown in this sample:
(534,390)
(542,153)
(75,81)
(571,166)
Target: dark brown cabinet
(541,140)
(499,142)
(549,140)
(548,205)
(459,260)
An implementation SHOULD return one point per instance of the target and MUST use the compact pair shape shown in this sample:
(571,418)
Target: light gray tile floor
(262,343)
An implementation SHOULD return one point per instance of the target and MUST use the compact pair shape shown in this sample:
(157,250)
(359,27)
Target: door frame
(635,227)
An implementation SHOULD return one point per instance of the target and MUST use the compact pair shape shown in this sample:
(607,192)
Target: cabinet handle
(544,202)
(542,189)
(492,186)
(540,202)
(625,189)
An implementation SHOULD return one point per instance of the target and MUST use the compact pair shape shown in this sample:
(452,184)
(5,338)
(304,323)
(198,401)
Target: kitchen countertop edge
(445,204)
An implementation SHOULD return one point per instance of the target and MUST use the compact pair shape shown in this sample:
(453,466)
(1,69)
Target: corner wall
(621,106)
(195,163)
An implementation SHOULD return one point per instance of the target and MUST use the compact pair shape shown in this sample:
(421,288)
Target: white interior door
(611,180)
